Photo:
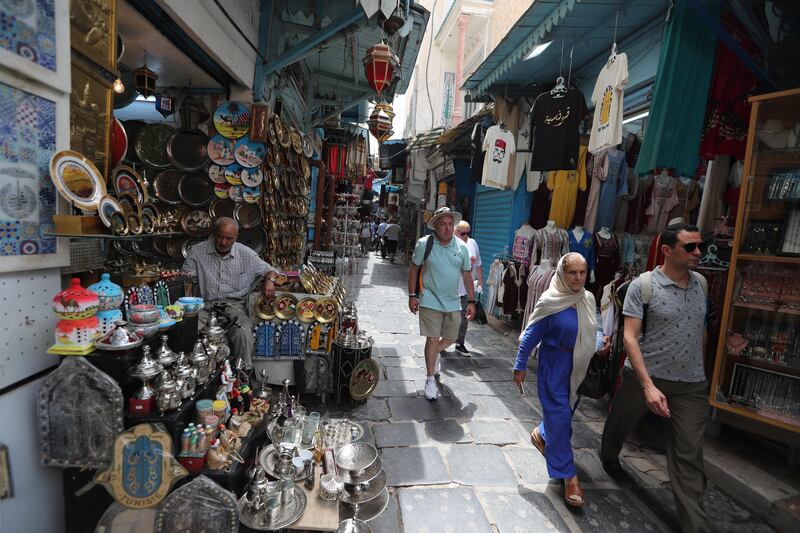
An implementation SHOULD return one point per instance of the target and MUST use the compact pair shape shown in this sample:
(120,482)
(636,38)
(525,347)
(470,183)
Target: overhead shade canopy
(586,26)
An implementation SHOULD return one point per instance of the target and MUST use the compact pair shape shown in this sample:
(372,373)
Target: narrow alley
(465,462)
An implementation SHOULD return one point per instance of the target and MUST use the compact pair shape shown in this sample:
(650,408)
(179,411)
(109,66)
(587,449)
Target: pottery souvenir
(222,190)
(75,302)
(77,179)
(191,305)
(232,119)
(143,468)
(216,173)
(251,195)
(106,322)
(195,189)
(233,174)
(143,313)
(75,337)
(188,150)
(106,209)
(119,338)
(175,312)
(165,185)
(119,142)
(79,411)
(109,294)
(236,193)
(249,153)
(151,145)
(252,177)
(220,150)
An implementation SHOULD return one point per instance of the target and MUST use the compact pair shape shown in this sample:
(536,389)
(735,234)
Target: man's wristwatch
(470,302)
(412,295)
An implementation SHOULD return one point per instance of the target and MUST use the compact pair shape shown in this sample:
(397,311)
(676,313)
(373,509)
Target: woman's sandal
(573,494)
(537,440)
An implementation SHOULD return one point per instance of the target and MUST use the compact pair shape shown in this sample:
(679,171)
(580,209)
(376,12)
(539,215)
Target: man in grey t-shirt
(664,371)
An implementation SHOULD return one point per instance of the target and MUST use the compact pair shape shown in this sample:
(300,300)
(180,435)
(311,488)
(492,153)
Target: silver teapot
(146,369)
(200,361)
(168,396)
(213,330)
(164,355)
(184,376)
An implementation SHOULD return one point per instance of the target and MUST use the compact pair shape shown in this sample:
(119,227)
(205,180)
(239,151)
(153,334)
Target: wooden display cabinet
(757,369)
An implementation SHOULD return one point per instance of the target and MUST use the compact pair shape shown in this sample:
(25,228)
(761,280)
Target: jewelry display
(773,394)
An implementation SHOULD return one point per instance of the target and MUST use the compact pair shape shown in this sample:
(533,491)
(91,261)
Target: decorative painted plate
(144,467)
(216,173)
(165,186)
(308,148)
(151,145)
(222,207)
(247,215)
(232,119)
(77,179)
(364,379)
(108,206)
(196,189)
(135,226)
(119,224)
(188,150)
(252,177)
(221,190)
(284,137)
(150,209)
(251,194)
(236,193)
(325,310)
(196,223)
(220,150)
(305,310)
(119,142)
(297,142)
(265,307)
(249,153)
(233,174)
(285,306)
(127,181)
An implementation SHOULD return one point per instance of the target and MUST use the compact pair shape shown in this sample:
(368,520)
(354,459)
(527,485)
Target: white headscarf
(559,297)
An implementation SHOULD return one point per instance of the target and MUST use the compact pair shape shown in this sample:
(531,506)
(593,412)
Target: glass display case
(757,369)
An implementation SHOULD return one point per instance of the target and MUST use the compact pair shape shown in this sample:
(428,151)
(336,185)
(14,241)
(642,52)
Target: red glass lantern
(380,125)
(380,66)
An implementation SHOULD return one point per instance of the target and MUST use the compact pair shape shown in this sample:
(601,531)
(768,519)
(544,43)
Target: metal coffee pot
(146,369)
(183,376)
(168,396)
(164,355)
(200,363)
(213,330)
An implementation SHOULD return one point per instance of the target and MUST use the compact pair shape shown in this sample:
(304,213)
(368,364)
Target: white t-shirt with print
(475,261)
(607,97)
(499,146)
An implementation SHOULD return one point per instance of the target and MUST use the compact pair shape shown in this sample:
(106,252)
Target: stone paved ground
(464,463)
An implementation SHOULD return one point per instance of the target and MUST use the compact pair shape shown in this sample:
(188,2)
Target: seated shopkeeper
(227,271)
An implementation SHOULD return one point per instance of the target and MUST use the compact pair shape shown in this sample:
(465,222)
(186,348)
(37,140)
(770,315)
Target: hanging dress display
(584,246)
(638,205)
(515,289)
(688,193)
(493,282)
(523,242)
(476,153)
(614,186)
(624,201)
(565,185)
(549,244)
(664,197)
(538,282)
(607,259)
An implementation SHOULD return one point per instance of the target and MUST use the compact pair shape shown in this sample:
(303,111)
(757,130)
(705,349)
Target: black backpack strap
(428,248)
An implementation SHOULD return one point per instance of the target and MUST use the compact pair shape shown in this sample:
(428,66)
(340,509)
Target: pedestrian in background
(664,370)
(366,237)
(392,236)
(381,244)
(462,231)
(443,260)
(564,326)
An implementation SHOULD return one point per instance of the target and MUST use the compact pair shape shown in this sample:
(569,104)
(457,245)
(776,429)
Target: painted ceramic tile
(27,196)
(27,28)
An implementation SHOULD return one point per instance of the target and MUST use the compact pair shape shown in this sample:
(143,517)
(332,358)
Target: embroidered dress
(585,247)
(607,260)
(515,289)
(614,186)
(663,198)
(523,241)
(538,282)
(549,245)
(493,282)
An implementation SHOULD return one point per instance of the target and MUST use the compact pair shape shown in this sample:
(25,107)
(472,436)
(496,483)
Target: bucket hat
(443,212)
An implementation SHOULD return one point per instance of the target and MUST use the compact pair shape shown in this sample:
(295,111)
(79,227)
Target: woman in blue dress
(564,327)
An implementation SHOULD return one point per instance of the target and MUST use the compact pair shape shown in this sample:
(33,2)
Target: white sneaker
(437,369)
(431,392)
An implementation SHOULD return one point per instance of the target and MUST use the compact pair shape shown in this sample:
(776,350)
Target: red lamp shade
(380,65)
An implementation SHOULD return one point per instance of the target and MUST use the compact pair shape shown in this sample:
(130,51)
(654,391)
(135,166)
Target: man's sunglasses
(691,246)
(462,233)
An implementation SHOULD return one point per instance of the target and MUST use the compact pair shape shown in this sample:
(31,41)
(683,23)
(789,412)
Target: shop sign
(447,168)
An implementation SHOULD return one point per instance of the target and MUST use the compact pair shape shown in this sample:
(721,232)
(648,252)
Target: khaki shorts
(433,323)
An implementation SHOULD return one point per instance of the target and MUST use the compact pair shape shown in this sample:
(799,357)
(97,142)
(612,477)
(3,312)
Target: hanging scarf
(557,298)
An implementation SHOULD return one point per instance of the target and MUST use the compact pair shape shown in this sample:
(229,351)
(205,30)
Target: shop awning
(586,27)
(456,131)
(424,139)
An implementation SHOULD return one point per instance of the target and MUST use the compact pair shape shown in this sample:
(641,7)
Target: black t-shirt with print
(554,130)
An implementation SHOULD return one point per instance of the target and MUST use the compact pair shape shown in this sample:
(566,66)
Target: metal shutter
(491,226)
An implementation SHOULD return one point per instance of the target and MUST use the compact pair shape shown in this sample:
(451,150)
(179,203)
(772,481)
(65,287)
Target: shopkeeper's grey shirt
(673,344)
(230,276)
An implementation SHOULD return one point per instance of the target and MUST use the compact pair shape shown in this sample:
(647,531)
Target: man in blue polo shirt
(438,302)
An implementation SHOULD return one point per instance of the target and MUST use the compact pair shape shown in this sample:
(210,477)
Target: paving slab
(389,520)
(584,437)
(434,511)
(400,373)
(373,409)
(612,511)
(589,466)
(446,431)
(524,512)
(485,432)
(421,409)
(389,388)
(414,466)
(480,466)
(408,361)
(399,434)
(529,464)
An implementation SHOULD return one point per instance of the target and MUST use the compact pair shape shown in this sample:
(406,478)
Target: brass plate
(297,142)
(222,207)
(305,310)
(129,204)
(165,186)
(126,180)
(265,308)
(285,306)
(135,226)
(247,215)
(196,223)
(284,138)
(196,189)
(151,145)
(364,379)
(119,223)
(325,310)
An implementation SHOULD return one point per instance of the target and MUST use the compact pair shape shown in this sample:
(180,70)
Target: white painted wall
(210,29)
(37,504)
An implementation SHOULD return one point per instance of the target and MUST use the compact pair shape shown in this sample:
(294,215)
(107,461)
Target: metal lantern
(380,124)
(380,65)
(192,112)
(145,80)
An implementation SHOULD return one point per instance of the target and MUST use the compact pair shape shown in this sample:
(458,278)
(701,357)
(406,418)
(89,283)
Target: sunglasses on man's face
(691,246)
(462,233)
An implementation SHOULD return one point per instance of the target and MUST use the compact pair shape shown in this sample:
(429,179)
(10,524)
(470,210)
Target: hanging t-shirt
(554,126)
(607,98)
(499,146)
(476,159)
(523,241)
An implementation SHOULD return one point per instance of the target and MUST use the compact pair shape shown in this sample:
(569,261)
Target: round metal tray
(268,459)
(286,515)
(371,490)
(367,511)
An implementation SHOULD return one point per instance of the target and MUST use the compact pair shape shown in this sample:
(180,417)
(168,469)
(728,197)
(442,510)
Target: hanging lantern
(192,112)
(380,125)
(380,65)
(145,80)
(386,108)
